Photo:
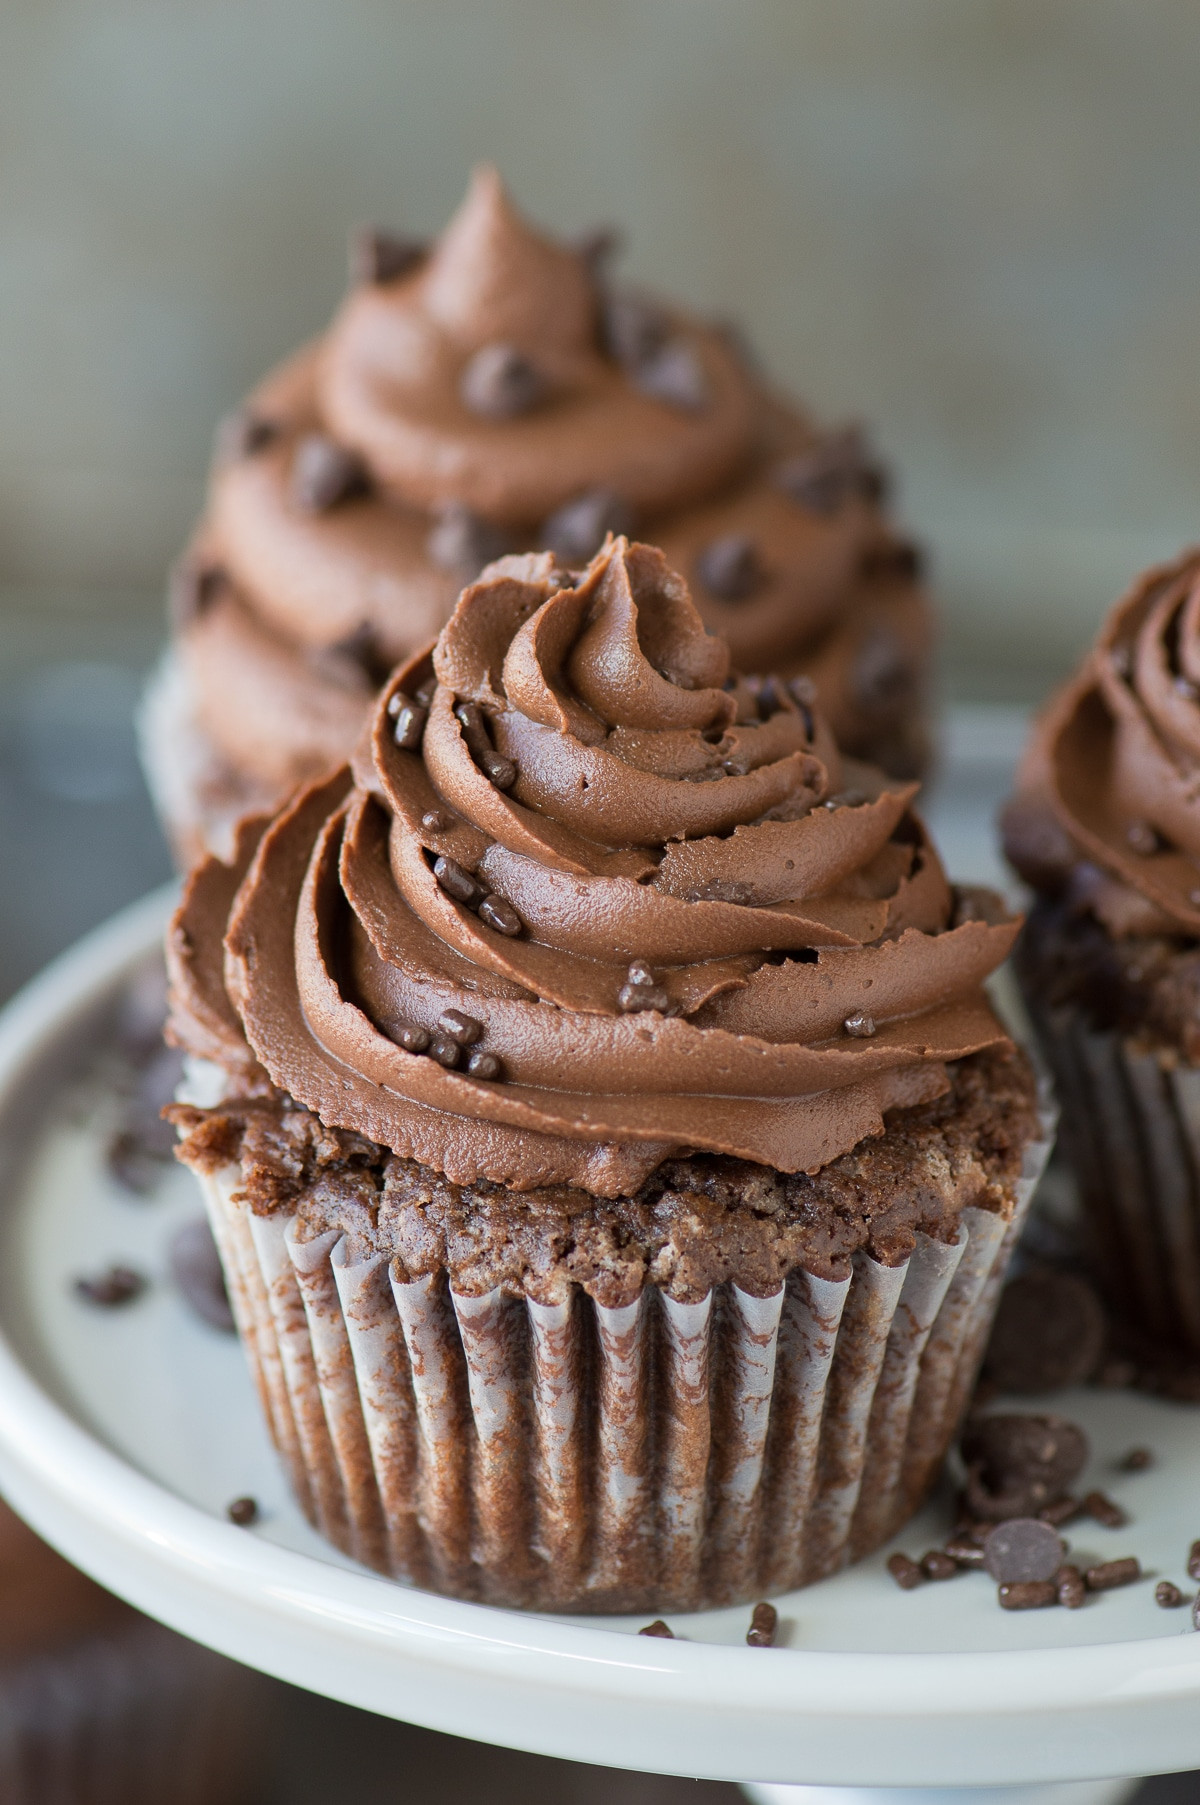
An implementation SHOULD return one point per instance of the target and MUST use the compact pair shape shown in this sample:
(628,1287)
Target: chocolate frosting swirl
(716,947)
(453,411)
(1107,809)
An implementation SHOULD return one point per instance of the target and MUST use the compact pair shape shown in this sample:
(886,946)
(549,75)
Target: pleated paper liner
(1131,1130)
(131,1716)
(571,1456)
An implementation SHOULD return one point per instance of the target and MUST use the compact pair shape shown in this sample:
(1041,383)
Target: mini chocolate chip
(383,256)
(675,375)
(446,1052)
(1062,1510)
(462,542)
(965,1551)
(1168,1595)
(324,474)
(632,328)
(1142,839)
(459,1027)
(243,1512)
(1193,1561)
(1049,1332)
(1138,1460)
(499,382)
(196,1268)
(1027,1595)
(883,676)
(729,567)
(414,1040)
(576,531)
(937,1564)
(499,913)
(244,433)
(483,1065)
(456,881)
(350,659)
(191,591)
(770,698)
(904,1571)
(633,997)
(1023,1549)
(434,822)
(832,472)
(119,1285)
(657,1628)
(860,1025)
(1107,1574)
(1071,1588)
(410,726)
(1102,1509)
(764,1621)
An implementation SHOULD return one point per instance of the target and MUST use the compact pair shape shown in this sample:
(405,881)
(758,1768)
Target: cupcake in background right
(1105,827)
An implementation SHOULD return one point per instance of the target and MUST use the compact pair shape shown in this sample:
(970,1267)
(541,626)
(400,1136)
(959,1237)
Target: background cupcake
(487,394)
(619,1153)
(1106,828)
(97,1703)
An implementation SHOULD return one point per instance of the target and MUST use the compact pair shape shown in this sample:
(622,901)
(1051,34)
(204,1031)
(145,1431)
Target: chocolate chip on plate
(1049,1332)
(1022,1549)
(1027,1594)
(242,1511)
(1017,1464)
(196,1269)
(1138,1460)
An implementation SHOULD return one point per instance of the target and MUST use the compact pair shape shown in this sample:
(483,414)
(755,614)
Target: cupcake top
(1107,809)
(588,900)
(494,393)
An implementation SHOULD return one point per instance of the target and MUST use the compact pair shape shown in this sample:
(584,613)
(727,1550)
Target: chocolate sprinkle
(1167,1595)
(1107,1574)
(1027,1595)
(938,1564)
(414,1040)
(729,567)
(383,256)
(499,914)
(1072,1592)
(483,1065)
(965,1551)
(906,1573)
(1104,1511)
(410,726)
(433,821)
(1063,1510)
(459,1027)
(447,1052)
(324,474)
(119,1285)
(243,1512)
(496,768)
(1193,1561)
(1138,1460)
(764,1621)
(657,1628)
(576,531)
(1022,1549)
(456,881)
(462,542)
(499,382)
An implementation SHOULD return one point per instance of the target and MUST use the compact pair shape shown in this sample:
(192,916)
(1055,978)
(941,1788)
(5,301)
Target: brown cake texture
(1105,827)
(616,1155)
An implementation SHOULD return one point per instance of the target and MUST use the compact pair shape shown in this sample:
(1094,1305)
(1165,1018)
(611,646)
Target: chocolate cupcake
(495,393)
(1105,826)
(618,1155)
(97,1703)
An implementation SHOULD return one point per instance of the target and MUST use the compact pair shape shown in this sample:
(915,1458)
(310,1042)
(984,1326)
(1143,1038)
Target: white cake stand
(124,1434)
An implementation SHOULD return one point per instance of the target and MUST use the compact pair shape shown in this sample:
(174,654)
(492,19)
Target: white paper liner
(131,1716)
(1131,1128)
(661,1455)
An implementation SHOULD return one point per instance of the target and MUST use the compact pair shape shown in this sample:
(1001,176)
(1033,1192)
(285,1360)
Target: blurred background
(972,226)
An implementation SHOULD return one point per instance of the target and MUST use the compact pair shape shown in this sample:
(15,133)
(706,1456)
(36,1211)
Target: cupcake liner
(571,1455)
(1131,1129)
(134,1716)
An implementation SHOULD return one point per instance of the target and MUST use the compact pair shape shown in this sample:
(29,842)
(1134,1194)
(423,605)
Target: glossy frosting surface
(721,936)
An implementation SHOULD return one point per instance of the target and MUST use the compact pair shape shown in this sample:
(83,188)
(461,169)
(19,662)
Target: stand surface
(124,1434)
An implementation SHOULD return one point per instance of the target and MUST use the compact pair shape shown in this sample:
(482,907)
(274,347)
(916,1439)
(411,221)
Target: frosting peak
(591,900)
